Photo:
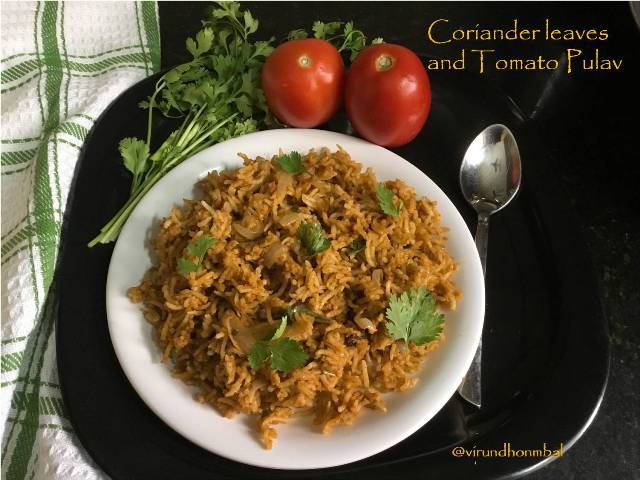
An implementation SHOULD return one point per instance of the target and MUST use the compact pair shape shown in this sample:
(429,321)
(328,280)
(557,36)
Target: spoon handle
(471,386)
(482,239)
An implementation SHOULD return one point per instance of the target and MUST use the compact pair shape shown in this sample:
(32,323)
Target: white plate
(298,446)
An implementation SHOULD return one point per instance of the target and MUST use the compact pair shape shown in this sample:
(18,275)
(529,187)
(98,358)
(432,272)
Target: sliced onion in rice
(273,253)
(376,276)
(365,324)
(233,325)
(245,337)
(244,340)
(284,181)
(248,233)
(288,218)
(308,200)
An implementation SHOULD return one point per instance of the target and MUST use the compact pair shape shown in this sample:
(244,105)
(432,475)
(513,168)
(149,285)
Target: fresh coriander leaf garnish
(287,355)
(290,162)
(186,266)
(385,199)
(354,40)
(283,354)
(217,95)
(202,44)
(134,155)
(200,245)
(326,30)
(196,249)
(312,238)
(412,317)
(297,34)
(281,328)
(258,354)
(356,246)
(343,36)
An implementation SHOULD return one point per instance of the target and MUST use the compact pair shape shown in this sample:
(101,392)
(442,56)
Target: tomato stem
(304,61)
(384,62)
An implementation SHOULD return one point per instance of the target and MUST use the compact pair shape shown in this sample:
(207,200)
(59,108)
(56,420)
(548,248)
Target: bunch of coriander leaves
(217,94)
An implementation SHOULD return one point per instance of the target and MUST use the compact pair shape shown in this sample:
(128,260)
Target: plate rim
(330,138)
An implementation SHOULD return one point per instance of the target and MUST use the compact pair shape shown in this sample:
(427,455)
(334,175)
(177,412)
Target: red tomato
(303,82)
(387,95)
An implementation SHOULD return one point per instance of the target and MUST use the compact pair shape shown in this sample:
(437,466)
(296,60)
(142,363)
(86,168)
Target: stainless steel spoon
(489,178)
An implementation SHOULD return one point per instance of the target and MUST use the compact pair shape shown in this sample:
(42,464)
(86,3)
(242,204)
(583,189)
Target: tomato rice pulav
(273,293)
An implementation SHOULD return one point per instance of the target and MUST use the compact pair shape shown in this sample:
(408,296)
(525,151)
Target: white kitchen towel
(62,64)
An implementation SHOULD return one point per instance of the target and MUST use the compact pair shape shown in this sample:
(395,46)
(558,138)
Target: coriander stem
(208,133)
(233,76)
(187,135)
(152,100)
(186,121)
(110,231)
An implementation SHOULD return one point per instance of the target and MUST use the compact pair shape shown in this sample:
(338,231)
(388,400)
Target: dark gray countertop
(598,163)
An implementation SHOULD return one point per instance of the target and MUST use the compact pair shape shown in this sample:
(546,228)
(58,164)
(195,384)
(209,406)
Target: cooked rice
(207,323)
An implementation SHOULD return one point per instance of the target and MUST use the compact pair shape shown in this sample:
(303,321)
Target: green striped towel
(62,64)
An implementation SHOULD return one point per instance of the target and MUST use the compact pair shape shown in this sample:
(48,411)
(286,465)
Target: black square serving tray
(545,352)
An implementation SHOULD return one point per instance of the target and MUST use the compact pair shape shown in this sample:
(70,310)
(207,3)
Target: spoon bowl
(490,173)
(490,177)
